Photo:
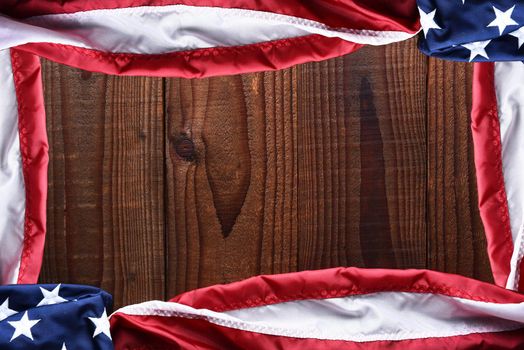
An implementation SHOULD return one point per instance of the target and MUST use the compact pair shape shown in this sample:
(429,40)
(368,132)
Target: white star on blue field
(466,30)
(54,317)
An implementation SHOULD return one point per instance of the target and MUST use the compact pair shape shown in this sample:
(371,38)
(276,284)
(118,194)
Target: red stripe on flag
(170,333)
(339,282)
(149,331)
(354,14)
(493,203)
(34,148)
(202,62)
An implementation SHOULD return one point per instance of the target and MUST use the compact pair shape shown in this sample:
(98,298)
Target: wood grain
(267,191)
(232,210)
(329,165)
(456,239)
(162,186)
(105,205)
(352,177)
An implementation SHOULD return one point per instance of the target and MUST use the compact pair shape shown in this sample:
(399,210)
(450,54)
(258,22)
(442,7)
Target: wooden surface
(158,186)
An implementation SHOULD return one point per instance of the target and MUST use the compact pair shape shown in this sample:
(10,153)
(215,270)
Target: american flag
(330,309)
(54,317)
(344,308)
(472,30)
(490,33)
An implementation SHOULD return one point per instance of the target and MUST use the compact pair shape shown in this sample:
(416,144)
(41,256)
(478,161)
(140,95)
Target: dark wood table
(159,186)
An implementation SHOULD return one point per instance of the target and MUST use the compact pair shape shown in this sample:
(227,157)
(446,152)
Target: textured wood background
(158,186)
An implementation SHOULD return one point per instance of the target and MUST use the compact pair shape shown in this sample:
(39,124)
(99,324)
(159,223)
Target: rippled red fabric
(399,15)
(160,333)
(154,332)
(34,152)
(200,63)
(493,203)
(379,15)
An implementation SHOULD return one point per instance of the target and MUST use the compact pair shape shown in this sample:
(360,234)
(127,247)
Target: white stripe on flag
(360,318)
(509,87)
(12,189)
(162,29)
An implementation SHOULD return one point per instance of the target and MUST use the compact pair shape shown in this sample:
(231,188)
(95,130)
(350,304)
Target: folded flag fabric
(498,136)
(200,38)
(54,317)
(342,308)
(153,38)
(23,167)
(472,30)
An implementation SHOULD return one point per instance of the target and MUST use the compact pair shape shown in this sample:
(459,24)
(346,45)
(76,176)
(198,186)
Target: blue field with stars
(472,30)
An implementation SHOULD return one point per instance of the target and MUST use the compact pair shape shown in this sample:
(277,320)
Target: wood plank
(329,166)
(230,216)
(363,160)
(456,239)
(105,206)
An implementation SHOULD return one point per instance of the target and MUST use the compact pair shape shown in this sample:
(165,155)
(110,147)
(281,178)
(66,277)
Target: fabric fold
(348,308)
(472,30)
(50,316)
(498,137)
(201,38)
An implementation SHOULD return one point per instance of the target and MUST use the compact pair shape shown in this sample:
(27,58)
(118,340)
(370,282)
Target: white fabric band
(371,317)
(509,87)
(162,29)
(12,188)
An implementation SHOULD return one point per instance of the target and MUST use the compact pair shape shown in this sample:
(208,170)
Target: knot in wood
(185,148)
